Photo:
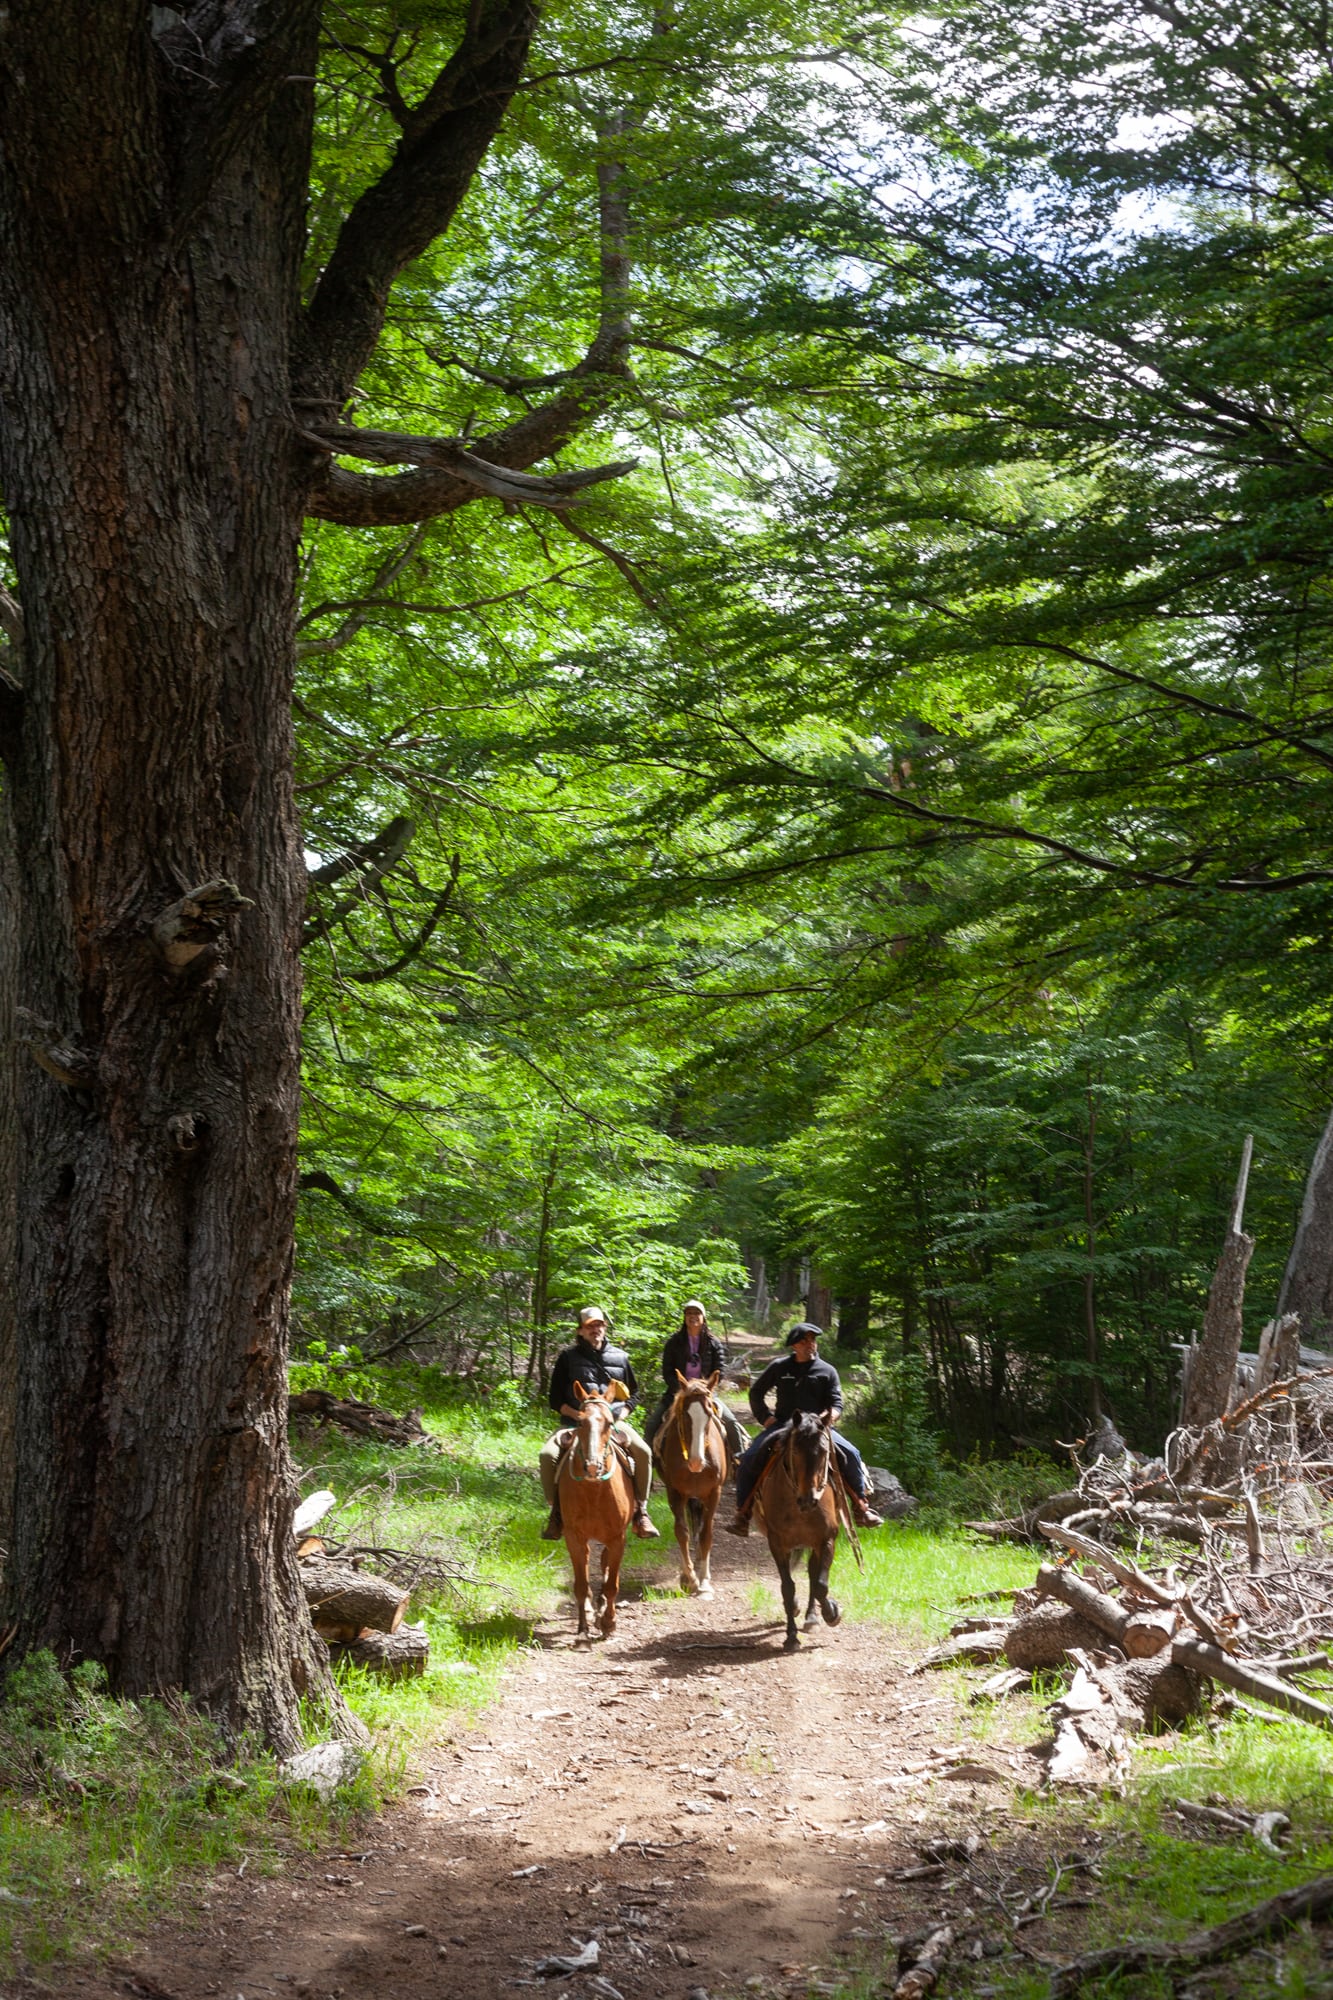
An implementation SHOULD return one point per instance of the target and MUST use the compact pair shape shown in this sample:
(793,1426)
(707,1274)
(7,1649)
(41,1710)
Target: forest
(675,652)
(869,852)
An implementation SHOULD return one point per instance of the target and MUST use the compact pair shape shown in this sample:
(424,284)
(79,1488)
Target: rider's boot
(554,1529)
(643,1526)
(863,1513)
(741,1524)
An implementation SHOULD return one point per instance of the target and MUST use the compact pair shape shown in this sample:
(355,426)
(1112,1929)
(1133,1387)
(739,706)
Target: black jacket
(581,1363)
(812,1386)
(677,1352)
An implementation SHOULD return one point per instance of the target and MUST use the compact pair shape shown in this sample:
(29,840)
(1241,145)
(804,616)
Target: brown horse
(691,1453)
(798,1504)
(597,1503)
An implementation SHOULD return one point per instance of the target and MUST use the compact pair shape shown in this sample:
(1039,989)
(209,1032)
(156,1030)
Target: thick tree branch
(370,863)
(448,474)
(445,138)
(377,974)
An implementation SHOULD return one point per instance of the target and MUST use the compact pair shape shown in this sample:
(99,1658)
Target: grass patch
(917,1576)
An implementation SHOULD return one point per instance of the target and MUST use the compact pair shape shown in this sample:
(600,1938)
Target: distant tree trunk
(1091,1339)
(541,1282)
(1213,1362)
(853,1319)
(1307,1284)
(819,1301)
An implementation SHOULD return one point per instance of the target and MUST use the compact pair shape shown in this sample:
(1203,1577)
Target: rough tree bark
(1307,1283)
(1213,1363)
(153,186)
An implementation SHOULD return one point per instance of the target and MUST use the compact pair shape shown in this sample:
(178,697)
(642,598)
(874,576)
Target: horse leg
(578,1555)
(791,1642)
(704,1541)
(812,1601)
(611,1556)
(680,1515)
(829,1609)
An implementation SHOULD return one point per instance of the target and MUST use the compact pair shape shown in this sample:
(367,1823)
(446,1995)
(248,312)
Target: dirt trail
(758,1798)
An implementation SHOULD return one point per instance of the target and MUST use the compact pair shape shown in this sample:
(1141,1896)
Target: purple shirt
(693,1365)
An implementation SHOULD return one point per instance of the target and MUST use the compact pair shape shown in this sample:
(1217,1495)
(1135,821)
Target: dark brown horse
(691,1453)
(798,1505)
(596,1496)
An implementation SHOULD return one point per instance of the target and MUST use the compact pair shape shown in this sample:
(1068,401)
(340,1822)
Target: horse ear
(827,1419)
(580,1392)
(714,1378)
(681,1379)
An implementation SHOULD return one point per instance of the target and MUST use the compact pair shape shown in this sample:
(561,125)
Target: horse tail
(696,1508)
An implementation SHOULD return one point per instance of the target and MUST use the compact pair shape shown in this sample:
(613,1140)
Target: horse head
(808,1451)
(593,1427)
(693,1409)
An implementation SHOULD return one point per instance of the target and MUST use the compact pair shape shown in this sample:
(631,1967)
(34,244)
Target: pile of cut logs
(358,1615)
(1210,1565)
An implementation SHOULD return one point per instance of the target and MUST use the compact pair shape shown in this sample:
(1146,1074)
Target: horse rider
(591,1362)
(694,1352)
(799,1381)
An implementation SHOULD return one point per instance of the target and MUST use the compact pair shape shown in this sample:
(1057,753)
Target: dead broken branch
(1226,1940)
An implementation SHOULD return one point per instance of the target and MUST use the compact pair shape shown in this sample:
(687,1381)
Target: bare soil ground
(711,1810)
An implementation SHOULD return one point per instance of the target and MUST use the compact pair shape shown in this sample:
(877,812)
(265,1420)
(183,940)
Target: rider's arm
(759,1389)
(560,1387)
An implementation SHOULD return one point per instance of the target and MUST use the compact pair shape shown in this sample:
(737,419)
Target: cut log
(1099,1610)
(1148,1633)
(922,1977)
(1042,1638)
(339,1597)
(396,1655)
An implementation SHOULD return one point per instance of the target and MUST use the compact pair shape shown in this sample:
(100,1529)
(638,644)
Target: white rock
(323,1767)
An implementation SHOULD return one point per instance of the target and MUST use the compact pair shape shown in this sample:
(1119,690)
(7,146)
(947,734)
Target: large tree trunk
(155,505)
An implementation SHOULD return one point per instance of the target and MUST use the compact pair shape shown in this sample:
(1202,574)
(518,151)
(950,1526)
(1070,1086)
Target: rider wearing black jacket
(693,1353)
(592,1364)
(798,1380)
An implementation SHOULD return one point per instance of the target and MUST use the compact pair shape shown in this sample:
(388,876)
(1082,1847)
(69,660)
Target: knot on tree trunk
(59,1054)
(194,924)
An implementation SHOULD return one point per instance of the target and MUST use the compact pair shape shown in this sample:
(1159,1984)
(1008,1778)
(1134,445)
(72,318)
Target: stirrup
(865,1516)
(554,1530)
(643,1525)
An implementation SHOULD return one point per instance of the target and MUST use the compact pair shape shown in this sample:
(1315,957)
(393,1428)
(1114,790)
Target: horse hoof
(791,1644)
(583,1638)
(705,1590)
(831,1611)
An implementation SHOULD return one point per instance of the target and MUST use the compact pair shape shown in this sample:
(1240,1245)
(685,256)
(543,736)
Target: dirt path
(711,1810)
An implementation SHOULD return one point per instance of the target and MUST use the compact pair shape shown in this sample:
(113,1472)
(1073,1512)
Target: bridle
(678,1414)
(821,1487)
(598,1469)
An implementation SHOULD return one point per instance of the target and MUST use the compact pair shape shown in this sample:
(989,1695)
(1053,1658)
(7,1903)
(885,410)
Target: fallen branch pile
(360,1419)
(1210,1565)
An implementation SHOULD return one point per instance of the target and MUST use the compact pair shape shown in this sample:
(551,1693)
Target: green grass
(916,1577)
(146,1814)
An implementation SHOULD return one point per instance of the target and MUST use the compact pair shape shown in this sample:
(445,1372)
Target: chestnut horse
(798,1505)
(597,1503)
(691,1453)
